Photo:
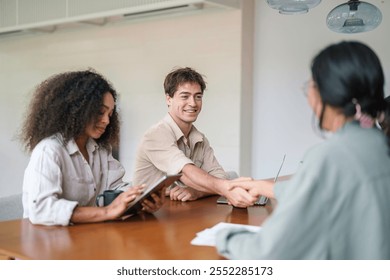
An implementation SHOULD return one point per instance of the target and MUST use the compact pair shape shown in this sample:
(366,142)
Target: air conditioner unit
(18,15)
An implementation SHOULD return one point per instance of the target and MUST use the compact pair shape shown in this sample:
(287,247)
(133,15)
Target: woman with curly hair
(70,128)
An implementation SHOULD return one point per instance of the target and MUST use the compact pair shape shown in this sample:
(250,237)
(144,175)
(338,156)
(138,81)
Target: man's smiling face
(186,104)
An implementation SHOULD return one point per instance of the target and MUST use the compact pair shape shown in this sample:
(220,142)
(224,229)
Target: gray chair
(11,207)
(232,174)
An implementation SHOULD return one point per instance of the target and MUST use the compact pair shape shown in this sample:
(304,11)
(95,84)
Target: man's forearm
(200,180)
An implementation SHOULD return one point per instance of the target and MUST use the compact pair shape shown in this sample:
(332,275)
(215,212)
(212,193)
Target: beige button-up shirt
(165,150)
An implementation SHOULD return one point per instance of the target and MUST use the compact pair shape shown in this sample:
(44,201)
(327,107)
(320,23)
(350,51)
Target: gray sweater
(337,205)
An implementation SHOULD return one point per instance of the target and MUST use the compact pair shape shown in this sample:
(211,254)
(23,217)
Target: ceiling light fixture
(293,7)
(354,17)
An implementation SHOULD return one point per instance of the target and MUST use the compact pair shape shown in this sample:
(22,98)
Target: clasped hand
(241,192)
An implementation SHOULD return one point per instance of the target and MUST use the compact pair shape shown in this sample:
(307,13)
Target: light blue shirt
(337,206)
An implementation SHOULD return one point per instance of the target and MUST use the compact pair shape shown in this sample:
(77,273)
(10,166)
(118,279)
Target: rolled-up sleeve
(162,150)
(209,162)
(42,190)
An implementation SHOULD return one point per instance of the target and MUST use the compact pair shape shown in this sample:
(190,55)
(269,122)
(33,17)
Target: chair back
(11,207)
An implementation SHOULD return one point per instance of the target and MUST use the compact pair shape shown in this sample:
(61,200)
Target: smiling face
(185,105)
(96,129)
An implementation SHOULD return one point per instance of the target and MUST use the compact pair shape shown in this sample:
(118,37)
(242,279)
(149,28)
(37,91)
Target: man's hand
(239,197)
(236,196)
(254,188)
(185,194)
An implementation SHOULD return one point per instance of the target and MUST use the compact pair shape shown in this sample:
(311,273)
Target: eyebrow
(107,107)
(186,92)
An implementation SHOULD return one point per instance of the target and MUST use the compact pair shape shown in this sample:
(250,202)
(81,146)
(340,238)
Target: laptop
(263,199)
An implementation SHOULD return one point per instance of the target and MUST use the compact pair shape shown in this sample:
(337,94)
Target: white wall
(135,56)
(284,47)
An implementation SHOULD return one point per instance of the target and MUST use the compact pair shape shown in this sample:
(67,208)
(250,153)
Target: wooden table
(165,235)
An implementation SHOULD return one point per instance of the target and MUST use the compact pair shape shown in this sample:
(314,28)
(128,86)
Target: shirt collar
(72,147)
(194,136)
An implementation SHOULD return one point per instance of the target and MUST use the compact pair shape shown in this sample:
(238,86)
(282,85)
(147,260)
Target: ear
(168,100)
(318,105)
(315,102)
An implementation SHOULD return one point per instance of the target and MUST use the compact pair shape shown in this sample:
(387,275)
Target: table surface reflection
(165,235)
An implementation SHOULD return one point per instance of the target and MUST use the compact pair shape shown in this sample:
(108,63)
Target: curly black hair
(66,103)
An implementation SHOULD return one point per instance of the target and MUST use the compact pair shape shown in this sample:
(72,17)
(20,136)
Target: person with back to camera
(337,204)
(174,145)
(70,128)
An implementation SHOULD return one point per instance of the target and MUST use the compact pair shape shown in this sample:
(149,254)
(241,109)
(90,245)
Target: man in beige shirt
(174,145)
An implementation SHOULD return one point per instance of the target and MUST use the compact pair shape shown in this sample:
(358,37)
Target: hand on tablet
(148,202)
(120,204)
(154,203)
